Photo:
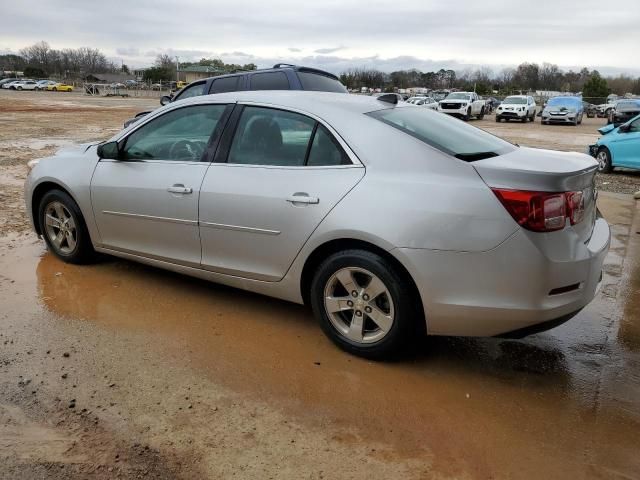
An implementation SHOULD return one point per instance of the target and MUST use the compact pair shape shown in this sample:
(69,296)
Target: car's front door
(268,190)
(626,147)
(146,203)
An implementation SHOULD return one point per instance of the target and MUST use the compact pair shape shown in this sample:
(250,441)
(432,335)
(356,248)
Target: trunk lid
(545,171)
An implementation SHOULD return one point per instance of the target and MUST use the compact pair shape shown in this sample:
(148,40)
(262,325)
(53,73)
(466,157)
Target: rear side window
(269,81)
(266,136)
(227,84)
(325,150)
(443,132)
(320,83)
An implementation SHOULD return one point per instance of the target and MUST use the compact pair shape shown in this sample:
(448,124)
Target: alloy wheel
(602,160)
(359,305)
(60,227)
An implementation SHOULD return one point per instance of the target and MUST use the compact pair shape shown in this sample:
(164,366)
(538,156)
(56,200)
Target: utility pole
(177,69)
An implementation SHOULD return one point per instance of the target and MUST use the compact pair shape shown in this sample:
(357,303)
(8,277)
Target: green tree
(34,72)
(595,89)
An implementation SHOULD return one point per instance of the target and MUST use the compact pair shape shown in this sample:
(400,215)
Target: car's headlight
(462,105)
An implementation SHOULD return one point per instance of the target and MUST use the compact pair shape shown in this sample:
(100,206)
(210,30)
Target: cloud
(324,51)
(294,49)
(128,52)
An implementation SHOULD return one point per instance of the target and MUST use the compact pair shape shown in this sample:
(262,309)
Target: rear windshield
(320,83)
(443,132)
(515,100)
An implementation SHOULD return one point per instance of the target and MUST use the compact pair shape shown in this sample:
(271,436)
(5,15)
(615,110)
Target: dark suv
(281,77)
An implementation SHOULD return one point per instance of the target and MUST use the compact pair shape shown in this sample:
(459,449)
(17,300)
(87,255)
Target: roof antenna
(388,98)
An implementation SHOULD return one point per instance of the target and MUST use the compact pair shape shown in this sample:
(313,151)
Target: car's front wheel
(604,160)
(63,228)
(364,304)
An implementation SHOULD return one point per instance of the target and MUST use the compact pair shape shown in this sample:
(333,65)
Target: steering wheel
(185,150)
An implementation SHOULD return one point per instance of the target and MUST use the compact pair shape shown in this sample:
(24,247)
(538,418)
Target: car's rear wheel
(604,160)
(364,304)
(19,88)
(63,228)
(54,89)
(498,119)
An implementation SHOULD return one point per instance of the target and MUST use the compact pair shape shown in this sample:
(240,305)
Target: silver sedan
(388,219)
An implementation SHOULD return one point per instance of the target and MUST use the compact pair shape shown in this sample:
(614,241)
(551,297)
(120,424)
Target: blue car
(618,146)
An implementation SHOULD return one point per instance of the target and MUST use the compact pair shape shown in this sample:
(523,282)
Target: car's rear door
(271,185)
(146,203)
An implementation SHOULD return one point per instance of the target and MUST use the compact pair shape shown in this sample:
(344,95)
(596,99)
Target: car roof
(318,103)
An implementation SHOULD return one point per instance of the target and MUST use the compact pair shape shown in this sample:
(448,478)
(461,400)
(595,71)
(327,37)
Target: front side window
(444,133)
(193,90)
(267,136)
(178,135)
(635,126)
(269,81)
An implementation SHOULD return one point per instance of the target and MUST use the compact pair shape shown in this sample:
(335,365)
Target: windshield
(568,102)
(630,105)
(458,96)
(515,100)
(443,132)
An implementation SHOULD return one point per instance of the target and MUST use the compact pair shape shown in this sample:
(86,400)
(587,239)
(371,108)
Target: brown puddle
(468,405)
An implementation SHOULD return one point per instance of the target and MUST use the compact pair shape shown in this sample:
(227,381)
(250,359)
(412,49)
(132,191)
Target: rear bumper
(509,288)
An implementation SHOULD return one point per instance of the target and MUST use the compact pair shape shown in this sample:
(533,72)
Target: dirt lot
(118,370)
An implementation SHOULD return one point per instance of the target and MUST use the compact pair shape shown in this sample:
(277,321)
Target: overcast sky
(338,34)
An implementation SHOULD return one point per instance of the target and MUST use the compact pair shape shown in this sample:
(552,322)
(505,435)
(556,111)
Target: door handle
(302,198)
(179,188)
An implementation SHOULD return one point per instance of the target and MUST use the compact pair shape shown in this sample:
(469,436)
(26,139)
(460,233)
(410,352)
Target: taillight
(542,211)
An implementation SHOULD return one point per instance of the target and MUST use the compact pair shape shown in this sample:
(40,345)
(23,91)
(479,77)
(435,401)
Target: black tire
(408,319)
(467,116)
(54,89)
(481,116)
(19,88)
(83,251)
(498,119)
(607,165)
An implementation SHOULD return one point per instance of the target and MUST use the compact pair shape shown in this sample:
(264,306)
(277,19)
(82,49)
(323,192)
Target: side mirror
(109,150)
(165,99)
(624,128)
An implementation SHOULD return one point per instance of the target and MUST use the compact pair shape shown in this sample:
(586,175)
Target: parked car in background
(491,104)
(43,84)
(618,147)
(463,105)
(24,85)
(5,81)
(60,87)
(590,109)
(264,191)
(563,110)
(13,85)
(427,102)
(517,107)
(280,77)
(624,111)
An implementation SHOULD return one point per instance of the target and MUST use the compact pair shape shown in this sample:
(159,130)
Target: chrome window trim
(151,217)
(238,228)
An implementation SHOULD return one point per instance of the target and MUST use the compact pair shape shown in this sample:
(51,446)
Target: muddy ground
(118,370)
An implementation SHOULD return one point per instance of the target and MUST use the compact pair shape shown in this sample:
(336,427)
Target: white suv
(517,107)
